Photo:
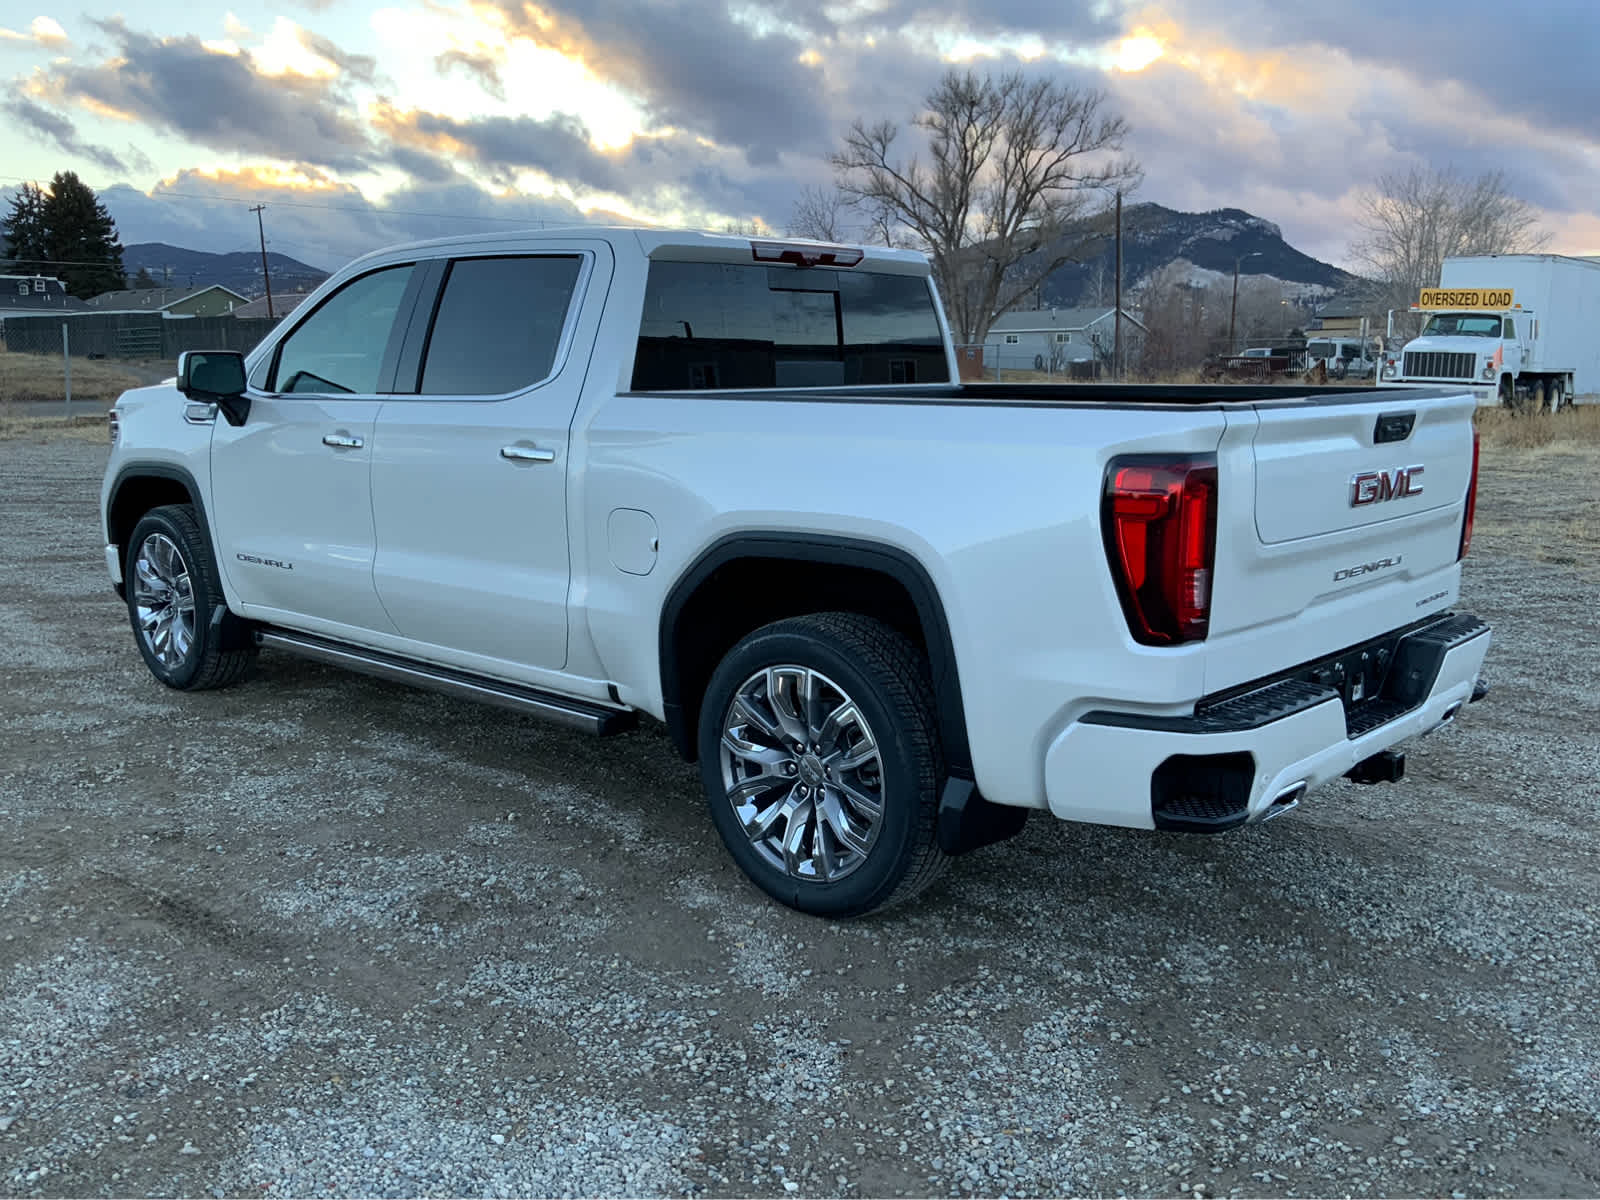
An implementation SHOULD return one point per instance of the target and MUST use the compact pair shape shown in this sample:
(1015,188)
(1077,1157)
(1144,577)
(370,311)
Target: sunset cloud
(42,31)
(709,111)
(225,102)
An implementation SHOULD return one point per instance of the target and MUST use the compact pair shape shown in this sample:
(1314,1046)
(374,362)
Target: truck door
(1511,347)
(470,469)
(291,487)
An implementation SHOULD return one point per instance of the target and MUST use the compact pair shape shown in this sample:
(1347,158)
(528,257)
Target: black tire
(888,679)
(1558,395)
(216,655)
(1533,399)
(1507,393)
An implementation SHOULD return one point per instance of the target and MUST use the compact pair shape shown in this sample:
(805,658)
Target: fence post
(66,362)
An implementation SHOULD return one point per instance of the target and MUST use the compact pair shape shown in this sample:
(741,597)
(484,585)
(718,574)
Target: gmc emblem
(1374,487)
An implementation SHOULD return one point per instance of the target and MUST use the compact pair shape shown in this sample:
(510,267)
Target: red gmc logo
(1374,487)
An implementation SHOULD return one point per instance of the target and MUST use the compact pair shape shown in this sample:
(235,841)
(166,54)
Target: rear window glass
(724,325)
(498,325)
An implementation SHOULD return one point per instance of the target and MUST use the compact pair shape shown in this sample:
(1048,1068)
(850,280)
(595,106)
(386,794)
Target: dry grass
(79,427)
(1502,429)
(1518,515)
(39,378)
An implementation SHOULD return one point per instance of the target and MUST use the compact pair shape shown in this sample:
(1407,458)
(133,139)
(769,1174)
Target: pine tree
(143,281)
(22,231)
(81,238)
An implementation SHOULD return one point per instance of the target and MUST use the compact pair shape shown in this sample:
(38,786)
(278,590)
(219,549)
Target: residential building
(213,301)
(1342,315)
(282,306)
(1050,339)
(35,295)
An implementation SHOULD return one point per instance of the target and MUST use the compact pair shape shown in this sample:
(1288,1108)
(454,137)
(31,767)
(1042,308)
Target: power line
(372,210)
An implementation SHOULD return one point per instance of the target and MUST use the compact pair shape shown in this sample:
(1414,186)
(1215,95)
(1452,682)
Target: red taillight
(803,254)
(1472,502)
(1160,519)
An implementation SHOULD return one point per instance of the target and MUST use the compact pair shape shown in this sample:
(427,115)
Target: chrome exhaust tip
(1284,801)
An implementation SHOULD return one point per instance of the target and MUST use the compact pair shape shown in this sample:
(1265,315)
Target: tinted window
(1511,329)
(498,324)
(340,347)
(715,325)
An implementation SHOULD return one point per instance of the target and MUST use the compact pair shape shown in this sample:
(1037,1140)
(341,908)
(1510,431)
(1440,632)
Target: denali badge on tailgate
(1374,487)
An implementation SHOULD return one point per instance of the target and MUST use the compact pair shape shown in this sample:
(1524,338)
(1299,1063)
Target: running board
(562,710)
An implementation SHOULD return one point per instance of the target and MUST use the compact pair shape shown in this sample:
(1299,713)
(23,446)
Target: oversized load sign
(1458,298)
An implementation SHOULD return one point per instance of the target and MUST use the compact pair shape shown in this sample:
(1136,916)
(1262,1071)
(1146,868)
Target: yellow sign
(1493,298)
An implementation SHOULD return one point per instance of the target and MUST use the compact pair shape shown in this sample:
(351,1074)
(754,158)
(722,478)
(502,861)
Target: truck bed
(1084,394)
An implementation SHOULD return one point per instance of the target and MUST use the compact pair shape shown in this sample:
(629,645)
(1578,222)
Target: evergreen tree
(81,238)
(22,231)
(144,281)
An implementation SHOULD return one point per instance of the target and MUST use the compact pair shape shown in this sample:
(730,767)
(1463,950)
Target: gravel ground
(320,934)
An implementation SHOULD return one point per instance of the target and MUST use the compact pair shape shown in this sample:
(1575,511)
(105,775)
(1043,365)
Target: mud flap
(968,822)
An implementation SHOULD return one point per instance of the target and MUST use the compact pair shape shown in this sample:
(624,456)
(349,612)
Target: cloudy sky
(361,124)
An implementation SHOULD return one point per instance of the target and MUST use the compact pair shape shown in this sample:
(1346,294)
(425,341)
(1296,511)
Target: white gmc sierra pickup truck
(737,486)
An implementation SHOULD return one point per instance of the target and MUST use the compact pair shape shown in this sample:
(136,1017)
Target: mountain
(240,270)
(1205,245)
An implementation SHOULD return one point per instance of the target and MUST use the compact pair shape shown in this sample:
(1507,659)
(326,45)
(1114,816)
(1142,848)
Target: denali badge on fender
(1374,487)
(264,562)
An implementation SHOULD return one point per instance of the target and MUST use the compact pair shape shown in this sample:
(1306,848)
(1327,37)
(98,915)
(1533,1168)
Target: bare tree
(820,214)
(1411,222)
(1188,321)
(1014,166)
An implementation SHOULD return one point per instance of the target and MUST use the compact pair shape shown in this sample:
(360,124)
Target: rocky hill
(175,266)
(1205,245)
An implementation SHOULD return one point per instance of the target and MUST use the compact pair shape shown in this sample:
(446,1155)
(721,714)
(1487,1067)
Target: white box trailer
(1522,330)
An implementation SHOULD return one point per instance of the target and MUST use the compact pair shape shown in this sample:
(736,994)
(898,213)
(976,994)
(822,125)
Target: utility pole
(266,276)
(1233,311)
(1116,320)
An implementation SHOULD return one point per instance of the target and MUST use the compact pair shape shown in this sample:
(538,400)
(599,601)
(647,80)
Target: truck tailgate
(1345,523)
(1324,469)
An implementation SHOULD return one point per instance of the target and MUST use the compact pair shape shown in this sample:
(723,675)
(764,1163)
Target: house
(1341,315)
(1048,339)
(282,306)
(213,301)
(35,295)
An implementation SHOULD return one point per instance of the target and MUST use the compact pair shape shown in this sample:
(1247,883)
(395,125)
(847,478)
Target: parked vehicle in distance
(1342,358)
(1256,365)
(733,485)
(1517,329)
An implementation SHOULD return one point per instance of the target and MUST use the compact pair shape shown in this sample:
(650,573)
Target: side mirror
(215,377)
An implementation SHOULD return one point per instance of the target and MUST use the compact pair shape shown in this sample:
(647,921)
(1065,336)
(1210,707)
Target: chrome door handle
(527,454)
(341,441)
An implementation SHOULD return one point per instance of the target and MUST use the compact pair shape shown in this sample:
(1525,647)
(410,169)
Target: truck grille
(1438,364)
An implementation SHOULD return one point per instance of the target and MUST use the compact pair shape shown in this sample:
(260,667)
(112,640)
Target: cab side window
(1511,330)
(339,349)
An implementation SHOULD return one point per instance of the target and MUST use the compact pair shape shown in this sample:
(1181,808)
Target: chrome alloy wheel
(163,598)
(803,773)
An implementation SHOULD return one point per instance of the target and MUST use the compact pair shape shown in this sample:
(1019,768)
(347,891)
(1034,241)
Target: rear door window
(498,324)
(727,325)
